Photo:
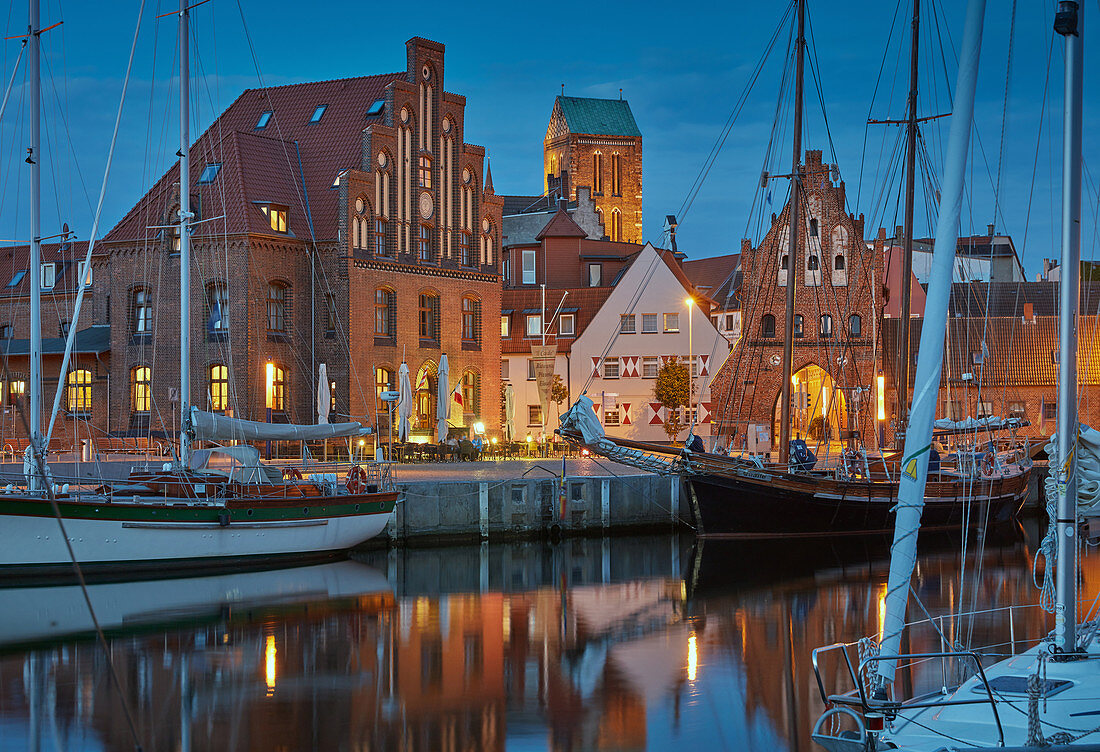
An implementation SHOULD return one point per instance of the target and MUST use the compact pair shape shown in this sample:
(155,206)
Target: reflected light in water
(269,668)
(693,657)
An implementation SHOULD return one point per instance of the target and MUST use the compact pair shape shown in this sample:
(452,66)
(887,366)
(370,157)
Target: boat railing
(868,702)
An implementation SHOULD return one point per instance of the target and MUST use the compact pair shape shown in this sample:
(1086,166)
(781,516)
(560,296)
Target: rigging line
(1004,113)
(874,94)
(41,473)
(81,286)
(708,163)
(11,81)
(1038,144)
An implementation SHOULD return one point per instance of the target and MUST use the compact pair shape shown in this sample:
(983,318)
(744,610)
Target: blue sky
(682,68)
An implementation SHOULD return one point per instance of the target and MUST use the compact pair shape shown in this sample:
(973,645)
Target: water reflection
(620,644)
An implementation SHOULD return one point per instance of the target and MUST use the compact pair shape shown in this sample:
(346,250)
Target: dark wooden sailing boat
(743,496)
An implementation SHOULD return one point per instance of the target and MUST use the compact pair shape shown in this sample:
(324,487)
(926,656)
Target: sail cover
(214,427)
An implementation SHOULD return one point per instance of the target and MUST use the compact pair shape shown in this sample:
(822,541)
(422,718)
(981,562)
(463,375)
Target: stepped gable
(289,156)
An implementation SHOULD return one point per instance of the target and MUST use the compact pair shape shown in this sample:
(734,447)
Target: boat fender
(223,518)
(166,467)
(65,488)
(9,488)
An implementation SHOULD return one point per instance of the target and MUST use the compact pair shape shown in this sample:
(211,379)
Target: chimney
(989,229)
(1029,312)
(563,203)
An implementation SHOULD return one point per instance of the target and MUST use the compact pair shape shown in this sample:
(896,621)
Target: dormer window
(376,108)
(49,275)
(276,216)
(262,122)
(209,173)
(318,113)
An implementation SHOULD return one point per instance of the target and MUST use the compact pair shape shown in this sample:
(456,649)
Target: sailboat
(216,506)
(1046,694)
(745,496)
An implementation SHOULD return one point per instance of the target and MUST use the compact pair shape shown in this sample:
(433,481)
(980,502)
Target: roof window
(264,117)
(17,278)
(318,113)
(376,108)
(209,173)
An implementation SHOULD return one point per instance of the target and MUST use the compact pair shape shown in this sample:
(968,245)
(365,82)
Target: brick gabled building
(835,274)
(596,143)
(343,222)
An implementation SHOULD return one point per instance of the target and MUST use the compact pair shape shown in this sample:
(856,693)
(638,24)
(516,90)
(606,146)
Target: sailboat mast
(792,246)
(185,238)
(907,258)
(34,158)
(1068,24)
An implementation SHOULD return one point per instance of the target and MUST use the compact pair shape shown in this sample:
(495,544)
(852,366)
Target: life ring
(356,482)
(988,463)
(291,473)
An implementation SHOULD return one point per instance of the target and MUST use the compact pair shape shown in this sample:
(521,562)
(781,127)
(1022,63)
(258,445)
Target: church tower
(596,142)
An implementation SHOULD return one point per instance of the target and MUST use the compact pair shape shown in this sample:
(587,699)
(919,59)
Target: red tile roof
(264,165)
(66,256)
(585,300)
(561,225)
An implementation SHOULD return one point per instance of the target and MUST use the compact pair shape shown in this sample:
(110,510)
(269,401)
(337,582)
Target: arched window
(141,378)
(812,263)
(219,387)
(425,172)
(360,224)
(429,316)
(79,397)
(784,262)
(385,312)
(276,388)
(616,224)
(826,325)
(597,174)
(471,322)
(487,242)
(855,325)
(813,228)
(141,311)
(838,263)
(799,325)
(471,393)
(767,325)
(276,308)
(384,381)
(616,174)
(464,255)
(217,308)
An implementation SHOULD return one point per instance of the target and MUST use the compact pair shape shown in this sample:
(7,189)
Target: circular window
(426,72)
(466,175)
(485,225)
(777,359)
(404,114)
(427,206)
(381,159)
(446,125)
(359,206)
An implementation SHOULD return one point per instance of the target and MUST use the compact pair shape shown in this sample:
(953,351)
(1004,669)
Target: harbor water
(623,643)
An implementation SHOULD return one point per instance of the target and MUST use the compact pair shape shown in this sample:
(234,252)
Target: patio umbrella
(324,396)
(404,402)
(442,398)
(509,412)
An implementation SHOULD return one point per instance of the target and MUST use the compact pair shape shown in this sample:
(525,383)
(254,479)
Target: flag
(456,395)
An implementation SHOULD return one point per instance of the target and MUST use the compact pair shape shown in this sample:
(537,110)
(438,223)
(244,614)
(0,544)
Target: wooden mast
(904,356)
(792,245)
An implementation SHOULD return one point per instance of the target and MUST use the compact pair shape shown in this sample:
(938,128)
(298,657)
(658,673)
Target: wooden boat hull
(140,536)
(761,503)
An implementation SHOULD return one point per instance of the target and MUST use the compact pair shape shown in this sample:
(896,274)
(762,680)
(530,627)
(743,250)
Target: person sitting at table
(466,449)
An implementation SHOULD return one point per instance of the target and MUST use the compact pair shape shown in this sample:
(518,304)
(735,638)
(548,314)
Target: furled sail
(214,427)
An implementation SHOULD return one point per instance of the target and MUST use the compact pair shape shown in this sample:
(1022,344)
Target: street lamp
(690,303)
(270,393)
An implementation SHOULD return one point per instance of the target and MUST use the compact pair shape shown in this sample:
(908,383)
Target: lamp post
(690,303)
(880,401)
(270,395)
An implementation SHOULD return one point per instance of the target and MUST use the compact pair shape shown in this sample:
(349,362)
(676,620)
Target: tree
(558,391)
(672,390)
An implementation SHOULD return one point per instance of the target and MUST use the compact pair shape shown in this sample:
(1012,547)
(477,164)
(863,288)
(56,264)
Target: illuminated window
(534,415)
(616,175)
(276,308)
(80,274)
(16,389)
(140,388)
(799,325)
(219,387)
(672,322)
(616,224)
(276,217)
(141,311)
(597,173)
(611,416)
(278,388)
(471,393)
(383,382)
(505,326)
(79,397)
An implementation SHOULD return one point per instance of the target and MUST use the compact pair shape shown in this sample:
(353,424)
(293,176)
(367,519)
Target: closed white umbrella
(404,402)
(442,398)
(324,395)
(509,412)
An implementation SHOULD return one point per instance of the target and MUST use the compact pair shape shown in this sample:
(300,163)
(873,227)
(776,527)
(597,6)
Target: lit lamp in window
(270,392)
(880,400)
